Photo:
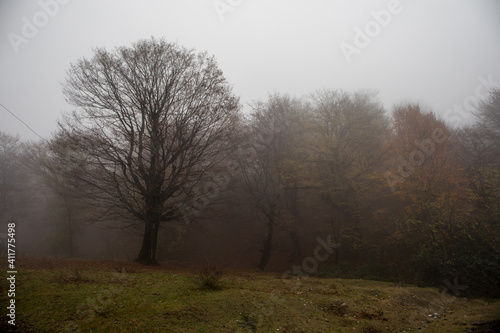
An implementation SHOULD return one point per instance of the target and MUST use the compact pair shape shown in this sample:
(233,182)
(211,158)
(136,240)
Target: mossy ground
(62,295)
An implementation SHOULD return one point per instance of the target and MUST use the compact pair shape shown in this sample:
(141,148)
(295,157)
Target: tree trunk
(336,231)
(293,206)
(267,248)
(154,240)
(69,215)
(147,255)
(268,242)
(70,234)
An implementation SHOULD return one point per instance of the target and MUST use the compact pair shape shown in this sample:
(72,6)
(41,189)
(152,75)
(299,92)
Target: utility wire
(12,113)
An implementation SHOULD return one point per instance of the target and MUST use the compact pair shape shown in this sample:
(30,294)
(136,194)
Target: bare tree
(488,124)
(264,167)
(348,133)
(480,154)
(16,187)
(152,120)
(52,163)
(10,172)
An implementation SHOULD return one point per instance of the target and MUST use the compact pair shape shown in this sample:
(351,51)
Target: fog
(428,52)
(221,149)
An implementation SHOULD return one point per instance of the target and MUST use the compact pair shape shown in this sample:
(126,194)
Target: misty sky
(425,51)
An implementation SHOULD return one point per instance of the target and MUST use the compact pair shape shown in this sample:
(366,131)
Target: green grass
(84,296)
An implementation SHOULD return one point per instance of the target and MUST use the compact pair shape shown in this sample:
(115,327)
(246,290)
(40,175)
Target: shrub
(210,276)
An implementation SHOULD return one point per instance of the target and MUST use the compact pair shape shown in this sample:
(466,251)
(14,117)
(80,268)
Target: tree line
(158,143)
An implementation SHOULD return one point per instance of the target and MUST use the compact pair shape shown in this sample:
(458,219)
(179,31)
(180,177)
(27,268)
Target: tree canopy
(151,120)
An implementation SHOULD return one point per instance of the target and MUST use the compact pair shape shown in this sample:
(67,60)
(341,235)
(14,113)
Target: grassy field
(62,295)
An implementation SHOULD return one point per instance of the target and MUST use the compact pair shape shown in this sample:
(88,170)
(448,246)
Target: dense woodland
(158,163)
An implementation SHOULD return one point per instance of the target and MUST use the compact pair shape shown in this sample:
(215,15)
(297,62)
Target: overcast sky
(426,51)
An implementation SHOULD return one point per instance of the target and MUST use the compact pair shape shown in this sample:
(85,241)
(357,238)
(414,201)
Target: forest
(157,163)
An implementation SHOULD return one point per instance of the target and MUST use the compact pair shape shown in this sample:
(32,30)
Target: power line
(12,113)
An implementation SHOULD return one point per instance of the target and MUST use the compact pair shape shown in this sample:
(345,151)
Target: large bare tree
(151,121)
(264,168)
